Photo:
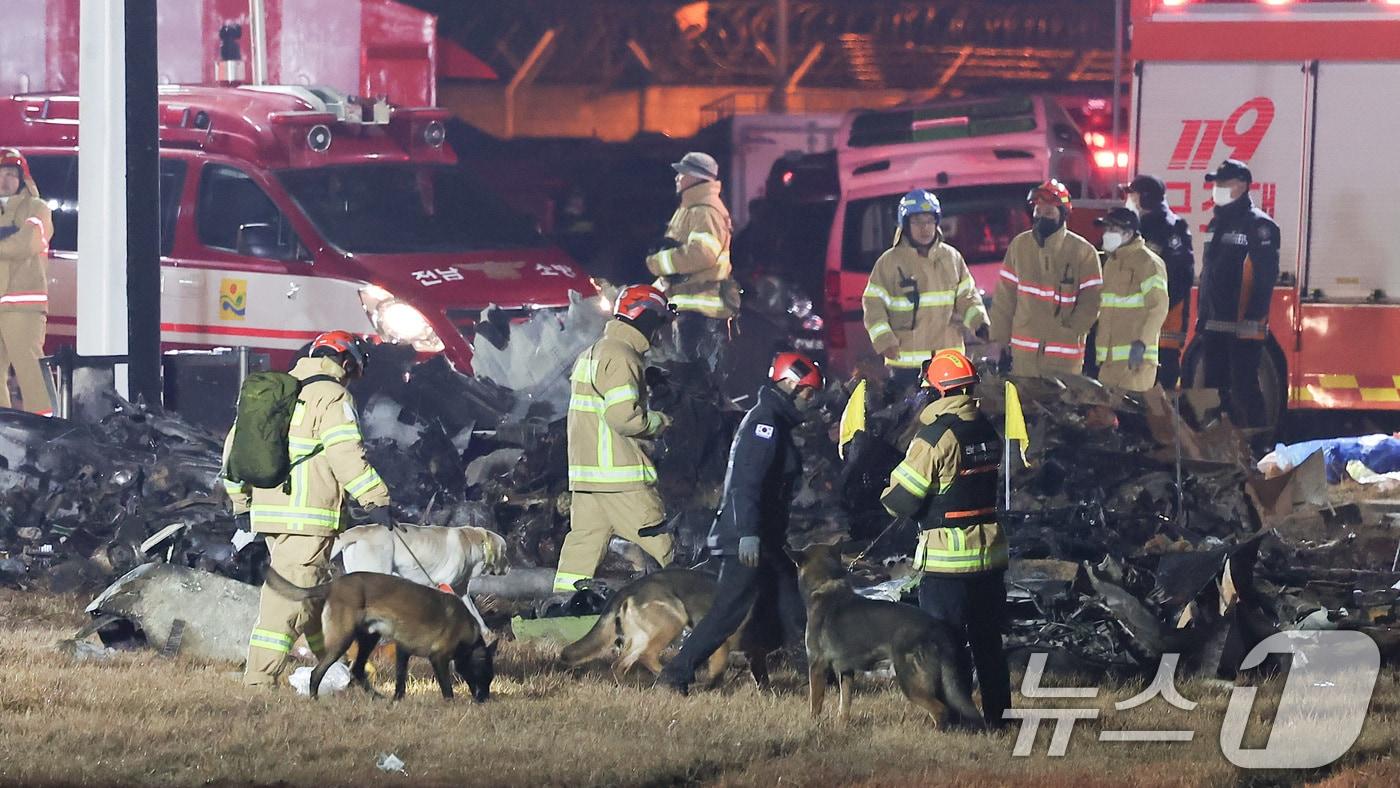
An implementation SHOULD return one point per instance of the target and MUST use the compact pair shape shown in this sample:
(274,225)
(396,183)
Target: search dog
(363,607)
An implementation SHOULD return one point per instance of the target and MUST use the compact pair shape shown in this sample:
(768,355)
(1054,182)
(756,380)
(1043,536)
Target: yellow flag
(1016,420)
(852,418)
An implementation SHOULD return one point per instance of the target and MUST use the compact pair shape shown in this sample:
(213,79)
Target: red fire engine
(1308,95)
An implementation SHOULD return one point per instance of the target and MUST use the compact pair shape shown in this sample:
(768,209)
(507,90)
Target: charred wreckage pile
(1137,528)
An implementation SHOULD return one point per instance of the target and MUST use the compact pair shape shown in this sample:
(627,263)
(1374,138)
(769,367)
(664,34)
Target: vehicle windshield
(406,208)
(978,221)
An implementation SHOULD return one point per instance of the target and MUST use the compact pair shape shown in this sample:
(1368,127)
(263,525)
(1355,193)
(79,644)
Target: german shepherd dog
(648,614)
(362,607)
(847,632)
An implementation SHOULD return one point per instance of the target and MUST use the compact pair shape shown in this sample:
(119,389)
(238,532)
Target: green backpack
(260,453)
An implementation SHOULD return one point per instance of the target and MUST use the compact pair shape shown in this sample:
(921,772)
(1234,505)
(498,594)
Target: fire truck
(1308,95)
(287,210)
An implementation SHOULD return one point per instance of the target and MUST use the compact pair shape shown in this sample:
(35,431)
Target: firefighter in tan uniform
(302,518)
(1048,296)
(692,264)
(609,428)
(1133,306)
(947,483)
(25,229)
(920,295)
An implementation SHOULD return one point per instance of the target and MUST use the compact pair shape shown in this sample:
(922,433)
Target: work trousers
(304,561)
(1231,365)
(700,338)
(593,520)
(773,581)
(21,346)
(1168,367)
(974,606)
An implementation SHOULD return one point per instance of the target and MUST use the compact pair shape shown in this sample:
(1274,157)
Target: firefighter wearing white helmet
(25,228)
(692,264)
(920,297)
(609,430)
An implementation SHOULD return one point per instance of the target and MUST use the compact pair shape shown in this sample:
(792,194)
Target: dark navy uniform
(1169,236)
(1237,285)
(764,467)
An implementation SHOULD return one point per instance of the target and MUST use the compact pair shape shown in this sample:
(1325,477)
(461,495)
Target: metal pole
(780,102)
(1006,468)
(257,40)
(243,364)
(101,300)
(143,203)
(1117,82)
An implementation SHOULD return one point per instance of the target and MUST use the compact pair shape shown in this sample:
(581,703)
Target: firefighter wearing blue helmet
(920,297)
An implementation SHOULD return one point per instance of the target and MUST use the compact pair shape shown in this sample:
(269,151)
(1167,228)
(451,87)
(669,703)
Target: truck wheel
(1272,381)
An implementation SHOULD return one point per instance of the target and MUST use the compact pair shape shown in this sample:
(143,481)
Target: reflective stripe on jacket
(328,456)
(696,274)
(26,225)
(608,419)
(1047,299)
(948,484)
(920,304)
(1133,307)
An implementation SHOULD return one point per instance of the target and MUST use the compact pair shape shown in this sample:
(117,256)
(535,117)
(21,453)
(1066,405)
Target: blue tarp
(1379,453)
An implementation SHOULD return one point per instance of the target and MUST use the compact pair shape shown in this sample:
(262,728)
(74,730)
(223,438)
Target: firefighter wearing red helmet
(749,533)
(302,516)
(610,429)
(1048,294)
(25,228)
(948,484)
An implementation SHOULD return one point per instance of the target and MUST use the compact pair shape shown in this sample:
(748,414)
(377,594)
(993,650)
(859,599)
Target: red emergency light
(1106,159)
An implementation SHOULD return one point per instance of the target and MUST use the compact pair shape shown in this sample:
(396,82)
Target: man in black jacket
(1170,237)
(1237,288)
(750,530)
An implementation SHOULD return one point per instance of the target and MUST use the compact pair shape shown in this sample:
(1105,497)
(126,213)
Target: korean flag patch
(764,431)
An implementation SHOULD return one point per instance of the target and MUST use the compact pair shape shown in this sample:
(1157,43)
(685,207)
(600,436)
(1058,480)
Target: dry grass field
(136,718)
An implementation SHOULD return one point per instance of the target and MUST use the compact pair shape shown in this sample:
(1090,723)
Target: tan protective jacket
(1134,305)
(929,470)
(696,275)
(1046,301)
(329,460)
(608,423)
(947,301)
(24,254)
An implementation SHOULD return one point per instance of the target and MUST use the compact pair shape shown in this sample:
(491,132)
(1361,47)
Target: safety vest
(961,533)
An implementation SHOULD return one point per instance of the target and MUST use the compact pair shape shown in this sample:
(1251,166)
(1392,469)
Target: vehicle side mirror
(260,240)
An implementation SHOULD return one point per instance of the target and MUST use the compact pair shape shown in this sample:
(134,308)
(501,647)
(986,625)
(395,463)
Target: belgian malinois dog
(648,614)
(363,607)
(847,632)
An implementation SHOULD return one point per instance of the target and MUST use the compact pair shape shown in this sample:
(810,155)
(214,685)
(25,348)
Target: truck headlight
(399,322)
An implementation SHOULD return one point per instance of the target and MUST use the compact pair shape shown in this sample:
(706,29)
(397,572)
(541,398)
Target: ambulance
(286,211)
(1308,95)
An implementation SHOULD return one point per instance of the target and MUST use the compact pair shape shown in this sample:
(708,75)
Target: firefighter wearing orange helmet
(948,484)
(1047,297)
(609,432)
(301,518)
(25,228)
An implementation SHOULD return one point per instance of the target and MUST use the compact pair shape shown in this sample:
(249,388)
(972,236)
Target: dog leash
(875,541)
(443,587)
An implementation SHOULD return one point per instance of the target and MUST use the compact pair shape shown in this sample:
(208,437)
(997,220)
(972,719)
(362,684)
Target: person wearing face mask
(1133,307)
(692,262)
(1047,298)
(920,296)
(750,529)
(25,228)
(611,475)
(948,484)
(1237,286)
(1169,237)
